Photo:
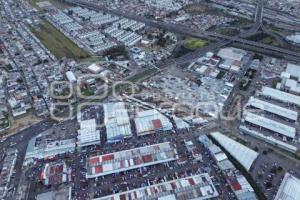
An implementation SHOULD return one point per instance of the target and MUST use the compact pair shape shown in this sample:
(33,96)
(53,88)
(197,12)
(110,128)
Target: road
(292,55)
(258,19)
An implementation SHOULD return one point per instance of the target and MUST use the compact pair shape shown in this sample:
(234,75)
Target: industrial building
(95,68)
(220,157)
(64,193)
(88,133)
(40,148)
(151,121)
(130,159)
(289,188)
(241,153)
(232,58)
(71,77)
(180,123)
(293,70)
(198,187)
(116,121)
(277,127)
(281,96)
(269,139)
(290,79)
(55,173)
(123,30)
(272,108)
(237,182)
(6,171)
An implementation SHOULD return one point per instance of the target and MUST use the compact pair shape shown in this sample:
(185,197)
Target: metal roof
(198,187)
(293,70)
(244,155)
(281,96)
(117,121)
(147,121)
(269,124)
(275,109)
(88,134)
(130,159)
(289,188)
(269,139)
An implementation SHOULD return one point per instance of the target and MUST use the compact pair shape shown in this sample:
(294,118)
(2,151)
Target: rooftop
(281,96)
(151,120)
(198,187)
(241,153)
(289,188)
(269,124)
(116,120)
(272,108)
(130,159)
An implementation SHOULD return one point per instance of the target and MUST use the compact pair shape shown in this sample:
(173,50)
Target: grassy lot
(33,2)
(57,43)
(193,43)
(57,3)
(93,59)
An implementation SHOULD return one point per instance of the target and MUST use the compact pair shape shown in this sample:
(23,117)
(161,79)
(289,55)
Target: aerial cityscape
(150,99)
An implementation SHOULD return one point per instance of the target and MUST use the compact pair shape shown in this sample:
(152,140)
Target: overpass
(258,20)
(292,55)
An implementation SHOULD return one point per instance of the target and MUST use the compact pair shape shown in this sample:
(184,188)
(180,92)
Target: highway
(258,19)
(263,48)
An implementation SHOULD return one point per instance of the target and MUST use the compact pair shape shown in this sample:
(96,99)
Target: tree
(265,152)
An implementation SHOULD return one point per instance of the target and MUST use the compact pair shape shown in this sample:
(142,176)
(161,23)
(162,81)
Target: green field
(58,43)
(193,43)
(33,2)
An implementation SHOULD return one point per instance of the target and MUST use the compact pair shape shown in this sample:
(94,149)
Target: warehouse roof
(117,121)
(95,68)
(293,70)
(71,77)
(232,53)
(244,155)
(289,188)
(281,96)
(269,124)
(130,159)
(180,123)
(198,187)
(275,109)
(88,134)
(150,120)
(269,139)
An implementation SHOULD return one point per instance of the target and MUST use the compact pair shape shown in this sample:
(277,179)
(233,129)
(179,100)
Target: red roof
(94,160)
(98,169)
(191,181)
(42,176)
(138,161)
(174,186)
(147,158)
(122,197)
(56,169)
(157,124)
(236,186)
(56,179)
(108,157)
